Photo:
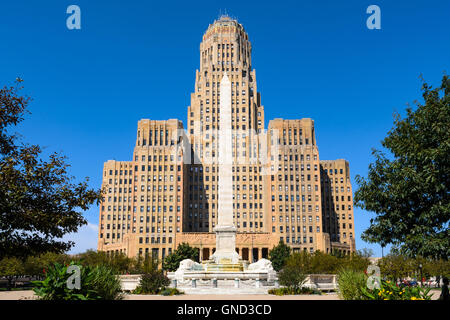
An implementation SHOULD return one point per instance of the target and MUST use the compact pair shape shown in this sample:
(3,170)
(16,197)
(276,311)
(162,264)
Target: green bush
(98,283)
(350,284)
(152,283)
(171,292)
(288,291)
(292,277)
(105,283)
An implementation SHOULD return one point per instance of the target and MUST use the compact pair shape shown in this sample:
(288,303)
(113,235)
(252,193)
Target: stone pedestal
(225,246)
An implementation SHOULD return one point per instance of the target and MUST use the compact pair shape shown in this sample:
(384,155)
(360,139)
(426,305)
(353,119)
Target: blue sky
(137,59)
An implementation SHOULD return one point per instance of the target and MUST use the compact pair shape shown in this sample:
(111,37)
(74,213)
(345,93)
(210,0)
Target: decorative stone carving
(188,265)
(261,265)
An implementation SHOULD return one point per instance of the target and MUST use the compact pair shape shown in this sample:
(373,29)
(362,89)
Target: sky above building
(137,59)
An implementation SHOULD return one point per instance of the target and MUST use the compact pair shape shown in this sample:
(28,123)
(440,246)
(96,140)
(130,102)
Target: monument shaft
(225,230)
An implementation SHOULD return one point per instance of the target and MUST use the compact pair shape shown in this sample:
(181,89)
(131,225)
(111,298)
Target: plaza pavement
(29,295)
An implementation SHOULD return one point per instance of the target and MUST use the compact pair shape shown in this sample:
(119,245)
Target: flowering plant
(391,291)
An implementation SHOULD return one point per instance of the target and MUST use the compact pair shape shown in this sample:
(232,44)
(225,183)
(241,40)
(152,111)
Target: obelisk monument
(225,230)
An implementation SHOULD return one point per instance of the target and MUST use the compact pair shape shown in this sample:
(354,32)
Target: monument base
(262,272)
(225,246)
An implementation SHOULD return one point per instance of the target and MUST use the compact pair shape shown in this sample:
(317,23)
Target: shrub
(97,283)
(289,291)
(152,283)
(350,284)
(106,284)
(292,277)
(171,292)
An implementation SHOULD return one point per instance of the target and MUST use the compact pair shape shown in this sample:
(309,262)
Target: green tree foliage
(365,252)
(408,189)
(39,203)
(278,255)
(35,265)
(9,268)
(292,277)
(324,263)
(395,266)
(301,260)
(439,268)
(355,262)
(184,251)
(119,262)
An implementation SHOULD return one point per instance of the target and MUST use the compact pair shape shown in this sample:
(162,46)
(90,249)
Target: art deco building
(168,194)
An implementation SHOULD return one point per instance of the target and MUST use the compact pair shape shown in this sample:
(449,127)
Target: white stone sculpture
(188,264)
(261,265)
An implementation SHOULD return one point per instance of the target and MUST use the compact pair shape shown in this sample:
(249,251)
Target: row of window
(294,208)
(288,229)
(119,172)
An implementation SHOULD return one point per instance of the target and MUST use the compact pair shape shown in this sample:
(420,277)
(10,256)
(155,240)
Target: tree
(301,260)
(355,262)
(278,255)
(39,202)
(439,268)
(118,262)
(292,277)
(409,188)
(36,265)
(10,268)
(365,252)
(324,263)
(184,251)
(395,266)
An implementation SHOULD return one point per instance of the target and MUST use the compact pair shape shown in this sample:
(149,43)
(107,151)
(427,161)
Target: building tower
(225,49)
(168,194)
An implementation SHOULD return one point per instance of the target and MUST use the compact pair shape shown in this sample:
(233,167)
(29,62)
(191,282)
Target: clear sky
(137,59)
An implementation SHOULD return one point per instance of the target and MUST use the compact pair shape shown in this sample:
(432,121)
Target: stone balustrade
(323,282)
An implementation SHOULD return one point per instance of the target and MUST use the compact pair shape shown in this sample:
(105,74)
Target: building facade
(168,194)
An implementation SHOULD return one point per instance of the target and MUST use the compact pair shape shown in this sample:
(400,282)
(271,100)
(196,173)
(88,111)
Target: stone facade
(168,194)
